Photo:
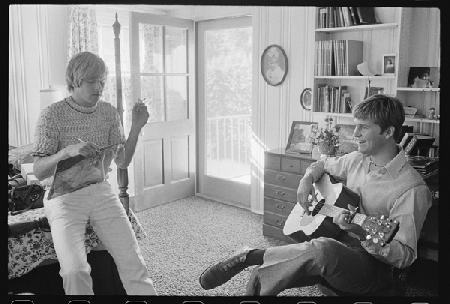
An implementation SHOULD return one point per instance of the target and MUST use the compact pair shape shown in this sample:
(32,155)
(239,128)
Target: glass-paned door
(225,106)
(162,68)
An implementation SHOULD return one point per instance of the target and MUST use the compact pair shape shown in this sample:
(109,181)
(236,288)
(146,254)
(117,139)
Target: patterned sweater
(62,123)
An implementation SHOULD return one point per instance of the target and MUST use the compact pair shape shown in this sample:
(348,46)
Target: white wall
(276,107)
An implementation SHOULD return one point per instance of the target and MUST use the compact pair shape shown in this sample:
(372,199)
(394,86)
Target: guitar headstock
(380,229)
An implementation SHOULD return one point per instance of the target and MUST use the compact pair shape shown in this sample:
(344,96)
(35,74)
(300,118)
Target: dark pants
(344,265)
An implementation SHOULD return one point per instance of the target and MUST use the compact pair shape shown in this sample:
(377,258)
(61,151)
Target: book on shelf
(373,91)
(354,14)
(338,57)
(366,15)
(322,17)
(330,17)
(332,99)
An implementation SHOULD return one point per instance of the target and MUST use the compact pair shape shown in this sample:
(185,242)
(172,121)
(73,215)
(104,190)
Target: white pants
(68,215)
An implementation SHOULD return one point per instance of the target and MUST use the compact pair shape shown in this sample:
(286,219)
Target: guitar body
(301,227)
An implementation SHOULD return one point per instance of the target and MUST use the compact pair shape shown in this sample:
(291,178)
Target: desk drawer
(283,179)
(274,220)
(272,161)
(294,165)
(280,193)
(277,206)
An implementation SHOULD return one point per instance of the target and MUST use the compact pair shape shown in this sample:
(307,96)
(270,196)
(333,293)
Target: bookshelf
(419,44)
(411,34)
(371,51)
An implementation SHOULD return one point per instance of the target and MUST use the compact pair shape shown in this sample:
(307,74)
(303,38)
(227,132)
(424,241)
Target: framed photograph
(346,142)
(389,64)
(306,99)
(274,65)
(373,91)
(301,137)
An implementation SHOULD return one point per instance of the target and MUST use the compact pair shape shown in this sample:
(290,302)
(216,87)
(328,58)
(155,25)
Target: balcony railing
(228,138)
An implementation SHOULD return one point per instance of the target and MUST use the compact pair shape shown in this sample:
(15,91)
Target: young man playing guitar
(350,263)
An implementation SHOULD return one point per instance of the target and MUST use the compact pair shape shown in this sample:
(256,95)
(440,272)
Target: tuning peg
(368,237)
(375,240)
(311,208)
(381,234)
(314,203)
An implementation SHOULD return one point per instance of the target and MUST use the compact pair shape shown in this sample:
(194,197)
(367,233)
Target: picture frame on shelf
(274,65)
(373,91)
(389,61)
(301,137)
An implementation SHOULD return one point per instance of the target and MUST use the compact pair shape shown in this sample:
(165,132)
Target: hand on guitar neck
(344,220)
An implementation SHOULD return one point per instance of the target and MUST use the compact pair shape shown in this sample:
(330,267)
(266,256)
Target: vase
(327,149)
(315,153)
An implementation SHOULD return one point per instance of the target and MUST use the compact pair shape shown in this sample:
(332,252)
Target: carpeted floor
(186,236)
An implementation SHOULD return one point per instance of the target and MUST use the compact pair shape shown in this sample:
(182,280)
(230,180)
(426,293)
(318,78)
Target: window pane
(150,48)
(176,97)
(152,90)
(176,57)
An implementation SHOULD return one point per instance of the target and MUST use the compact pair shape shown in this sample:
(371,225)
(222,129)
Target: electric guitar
(331,199)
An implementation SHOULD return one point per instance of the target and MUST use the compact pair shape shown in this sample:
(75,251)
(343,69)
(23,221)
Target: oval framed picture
(306,99)
(274,65)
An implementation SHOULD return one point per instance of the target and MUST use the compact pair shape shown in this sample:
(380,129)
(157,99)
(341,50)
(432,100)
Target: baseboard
(230,203)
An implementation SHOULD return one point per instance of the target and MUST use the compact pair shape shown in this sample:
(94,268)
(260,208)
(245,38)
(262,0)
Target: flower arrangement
(327,138)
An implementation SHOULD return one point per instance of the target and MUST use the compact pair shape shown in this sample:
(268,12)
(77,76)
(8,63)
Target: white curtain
(83,34)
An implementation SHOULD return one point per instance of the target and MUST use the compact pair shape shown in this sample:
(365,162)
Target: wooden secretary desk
(282,175)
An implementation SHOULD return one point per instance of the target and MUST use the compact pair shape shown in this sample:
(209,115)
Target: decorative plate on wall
(306,99)
(274,65)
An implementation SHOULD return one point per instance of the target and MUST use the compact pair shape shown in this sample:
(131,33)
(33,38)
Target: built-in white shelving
(366,27)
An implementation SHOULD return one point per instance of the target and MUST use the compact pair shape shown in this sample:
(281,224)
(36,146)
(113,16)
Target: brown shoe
(222,272)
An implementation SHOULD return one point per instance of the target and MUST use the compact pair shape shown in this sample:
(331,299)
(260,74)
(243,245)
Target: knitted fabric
(64,122)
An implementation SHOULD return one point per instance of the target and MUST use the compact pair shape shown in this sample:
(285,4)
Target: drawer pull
(281,177)
(280,193)
(281,206)
(279,222)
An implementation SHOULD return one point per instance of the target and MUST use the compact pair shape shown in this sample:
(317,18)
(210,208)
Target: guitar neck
(331,211)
